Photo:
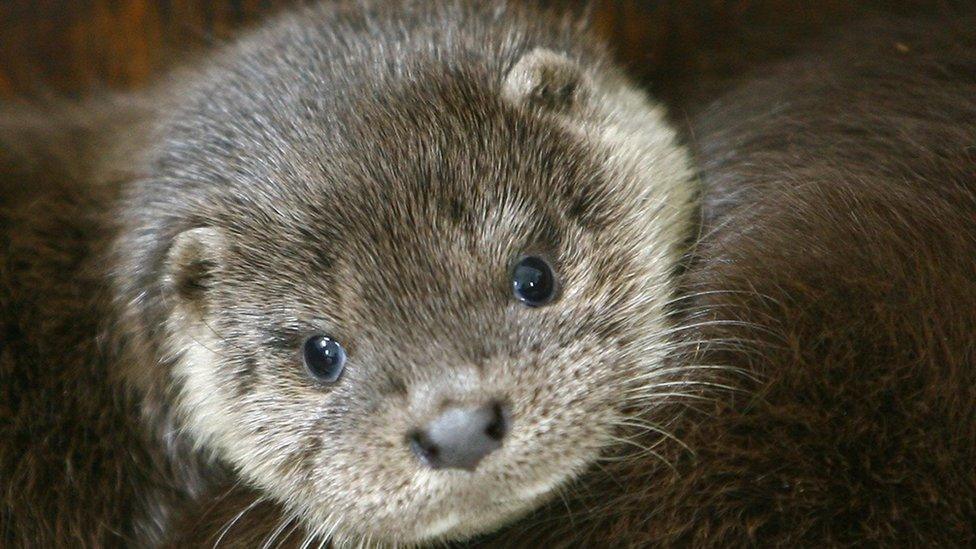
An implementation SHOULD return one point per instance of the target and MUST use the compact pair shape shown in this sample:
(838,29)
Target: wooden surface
(69,47)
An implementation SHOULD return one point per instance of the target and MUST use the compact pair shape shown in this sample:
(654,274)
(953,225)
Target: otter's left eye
(533,281)
(324,357)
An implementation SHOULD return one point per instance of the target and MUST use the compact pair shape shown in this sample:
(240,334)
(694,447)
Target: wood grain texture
(72,47)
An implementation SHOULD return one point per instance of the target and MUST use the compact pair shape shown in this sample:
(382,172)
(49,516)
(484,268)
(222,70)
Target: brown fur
(78,464)
(837,273)
(837,269)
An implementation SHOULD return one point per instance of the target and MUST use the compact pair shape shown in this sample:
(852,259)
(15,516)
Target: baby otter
(395,266)
(827,320)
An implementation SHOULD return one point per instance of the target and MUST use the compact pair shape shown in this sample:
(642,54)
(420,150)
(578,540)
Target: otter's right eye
(324,358)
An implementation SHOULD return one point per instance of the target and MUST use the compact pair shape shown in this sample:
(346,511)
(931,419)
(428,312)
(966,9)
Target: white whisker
(233,521)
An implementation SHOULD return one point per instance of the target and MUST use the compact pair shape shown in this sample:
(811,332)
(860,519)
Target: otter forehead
(437,179)
(308,84)
(439,143)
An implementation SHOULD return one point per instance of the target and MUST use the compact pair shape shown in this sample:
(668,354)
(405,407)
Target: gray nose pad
(461,437)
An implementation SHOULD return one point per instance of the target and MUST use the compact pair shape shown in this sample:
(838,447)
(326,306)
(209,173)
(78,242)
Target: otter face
(421,320)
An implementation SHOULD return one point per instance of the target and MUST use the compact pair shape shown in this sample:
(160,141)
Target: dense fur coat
(81,463)
(370,171)
(835,281)
(832,302)
(828,318)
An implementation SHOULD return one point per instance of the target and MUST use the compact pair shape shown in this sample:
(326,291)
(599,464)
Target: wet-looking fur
(368,170)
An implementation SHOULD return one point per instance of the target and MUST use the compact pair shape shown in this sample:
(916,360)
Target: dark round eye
(533,281)
(324,357)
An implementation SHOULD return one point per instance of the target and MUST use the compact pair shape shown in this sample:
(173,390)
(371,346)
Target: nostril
(424,449)
(498,427)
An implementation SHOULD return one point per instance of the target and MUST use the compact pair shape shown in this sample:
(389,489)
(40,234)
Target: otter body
(355,264)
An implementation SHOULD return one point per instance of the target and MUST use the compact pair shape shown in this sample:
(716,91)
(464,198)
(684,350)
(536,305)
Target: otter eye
(324,357)
(533,281)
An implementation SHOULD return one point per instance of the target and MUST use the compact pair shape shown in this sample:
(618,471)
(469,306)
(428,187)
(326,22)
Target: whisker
(309,538)
(689,368)
(644,450)
(277,531)
(697,383)
(670,395)
(652,427)
(233,521)
(298,524)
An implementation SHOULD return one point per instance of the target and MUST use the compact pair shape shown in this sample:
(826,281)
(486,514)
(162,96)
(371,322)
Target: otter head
(412,311)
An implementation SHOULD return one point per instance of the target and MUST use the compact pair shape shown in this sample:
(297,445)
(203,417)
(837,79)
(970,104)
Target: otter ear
(548,79)
(191,264)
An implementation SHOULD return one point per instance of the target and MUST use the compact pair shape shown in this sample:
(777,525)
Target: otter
(402,269)
(826,318)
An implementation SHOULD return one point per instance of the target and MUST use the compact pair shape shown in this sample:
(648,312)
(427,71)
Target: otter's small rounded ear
(192,262)
(548,79)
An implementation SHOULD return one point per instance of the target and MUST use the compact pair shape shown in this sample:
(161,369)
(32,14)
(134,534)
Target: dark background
(679,47)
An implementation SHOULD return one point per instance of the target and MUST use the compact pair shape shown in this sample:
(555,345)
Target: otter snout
(461,437)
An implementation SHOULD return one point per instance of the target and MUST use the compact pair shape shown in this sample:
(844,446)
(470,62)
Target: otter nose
(461,437)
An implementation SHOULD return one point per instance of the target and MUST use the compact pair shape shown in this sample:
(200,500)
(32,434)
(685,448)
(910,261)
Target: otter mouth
(460,522)
(465,515)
